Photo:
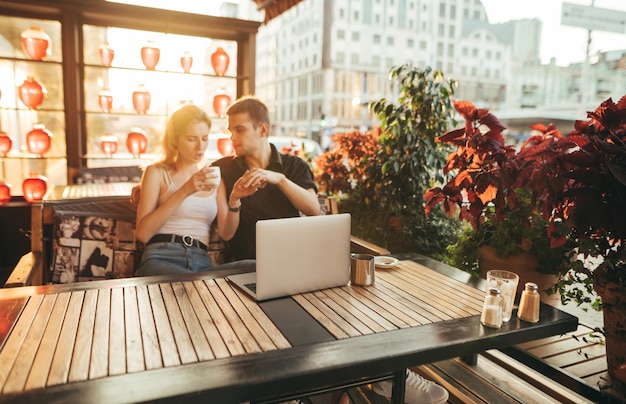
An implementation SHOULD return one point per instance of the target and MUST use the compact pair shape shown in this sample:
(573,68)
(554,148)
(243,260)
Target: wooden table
(86,191)
(199,338)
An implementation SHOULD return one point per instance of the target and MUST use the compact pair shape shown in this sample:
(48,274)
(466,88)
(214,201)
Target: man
(260,182)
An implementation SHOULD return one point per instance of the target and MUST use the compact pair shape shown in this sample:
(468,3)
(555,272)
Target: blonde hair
(176,127)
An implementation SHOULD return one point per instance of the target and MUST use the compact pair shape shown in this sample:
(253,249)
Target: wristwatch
(236,208)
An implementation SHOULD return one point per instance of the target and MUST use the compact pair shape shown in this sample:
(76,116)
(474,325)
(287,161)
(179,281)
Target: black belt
(185,240)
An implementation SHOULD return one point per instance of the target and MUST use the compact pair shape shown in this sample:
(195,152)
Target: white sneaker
(418,390)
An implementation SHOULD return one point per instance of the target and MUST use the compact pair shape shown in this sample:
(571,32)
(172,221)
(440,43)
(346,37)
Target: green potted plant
(590,198)
(497,191)
(382,175)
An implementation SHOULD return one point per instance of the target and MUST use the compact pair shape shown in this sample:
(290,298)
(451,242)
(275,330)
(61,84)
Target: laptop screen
(302,254)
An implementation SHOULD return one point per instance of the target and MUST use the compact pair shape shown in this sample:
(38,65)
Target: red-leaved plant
(499,191)
(591,200)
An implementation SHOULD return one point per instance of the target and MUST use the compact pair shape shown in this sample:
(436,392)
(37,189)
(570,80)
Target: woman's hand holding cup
(213,176)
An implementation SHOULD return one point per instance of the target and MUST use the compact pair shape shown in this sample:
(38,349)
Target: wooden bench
(570,368)
(34,267)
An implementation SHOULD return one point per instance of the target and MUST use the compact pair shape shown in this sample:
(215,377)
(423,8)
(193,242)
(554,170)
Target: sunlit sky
(565,43)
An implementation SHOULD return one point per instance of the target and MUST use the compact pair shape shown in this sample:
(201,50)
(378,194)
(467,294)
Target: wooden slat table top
(82,335)
(166,337)
(84,191)
(407,295)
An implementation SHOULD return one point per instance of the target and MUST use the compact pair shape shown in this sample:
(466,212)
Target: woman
(178,200)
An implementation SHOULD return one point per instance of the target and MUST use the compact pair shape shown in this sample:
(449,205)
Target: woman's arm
(227,220)
(150,215)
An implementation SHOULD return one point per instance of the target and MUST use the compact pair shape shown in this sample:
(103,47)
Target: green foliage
(409,160)
(384,184)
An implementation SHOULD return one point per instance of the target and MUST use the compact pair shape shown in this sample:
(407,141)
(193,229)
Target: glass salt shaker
(529,303)
(492,309)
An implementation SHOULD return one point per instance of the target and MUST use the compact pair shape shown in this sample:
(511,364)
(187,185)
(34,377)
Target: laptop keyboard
(251,286)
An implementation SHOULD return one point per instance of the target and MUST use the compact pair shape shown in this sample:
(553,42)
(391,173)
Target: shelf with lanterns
(109,58)
(150,57)
(26,144)
(109,107)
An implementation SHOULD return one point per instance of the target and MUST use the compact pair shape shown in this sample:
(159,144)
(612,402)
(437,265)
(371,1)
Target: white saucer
(385,262)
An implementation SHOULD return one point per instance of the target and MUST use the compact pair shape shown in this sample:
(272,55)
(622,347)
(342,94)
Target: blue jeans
(173,258)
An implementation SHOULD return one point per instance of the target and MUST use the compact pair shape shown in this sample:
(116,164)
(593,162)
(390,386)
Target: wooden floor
(575,373)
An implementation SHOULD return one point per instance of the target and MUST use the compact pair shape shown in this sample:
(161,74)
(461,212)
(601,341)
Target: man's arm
(305,200)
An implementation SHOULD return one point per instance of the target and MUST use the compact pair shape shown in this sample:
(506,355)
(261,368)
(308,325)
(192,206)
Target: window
(80,109)
(390,40)
(341,34)
(167,84)
(355,36)
(376,38)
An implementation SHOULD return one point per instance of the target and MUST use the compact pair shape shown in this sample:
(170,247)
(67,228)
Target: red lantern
(5,144)
(225,146)
(35,43)
(186,61)
(221,102)
(105,101)
(5,192)
(136,142)
(108,145)
(219,61)
(38,140)
(106,54)
(31,92)
(34,188)
(150,55)
(141,99)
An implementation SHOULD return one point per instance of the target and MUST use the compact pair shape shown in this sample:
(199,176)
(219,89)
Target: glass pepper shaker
(529,303)
(492,309)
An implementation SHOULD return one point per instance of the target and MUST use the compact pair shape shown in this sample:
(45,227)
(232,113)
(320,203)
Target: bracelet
(236,208)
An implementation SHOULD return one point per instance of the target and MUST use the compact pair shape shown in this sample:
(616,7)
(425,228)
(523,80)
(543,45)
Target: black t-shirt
(266,203)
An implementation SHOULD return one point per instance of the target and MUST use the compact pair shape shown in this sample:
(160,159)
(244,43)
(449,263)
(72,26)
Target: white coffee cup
(213,175)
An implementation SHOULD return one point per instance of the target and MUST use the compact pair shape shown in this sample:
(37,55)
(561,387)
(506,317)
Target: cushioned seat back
(93,240)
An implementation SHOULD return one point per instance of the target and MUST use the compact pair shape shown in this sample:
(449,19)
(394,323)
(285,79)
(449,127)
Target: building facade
(321,63)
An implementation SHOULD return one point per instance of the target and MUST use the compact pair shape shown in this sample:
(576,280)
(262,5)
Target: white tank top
(193,217)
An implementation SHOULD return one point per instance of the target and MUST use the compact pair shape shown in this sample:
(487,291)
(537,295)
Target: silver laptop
(297,255)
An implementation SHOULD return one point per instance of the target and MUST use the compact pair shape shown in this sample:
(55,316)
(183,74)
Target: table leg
(471,359)
(397,391)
